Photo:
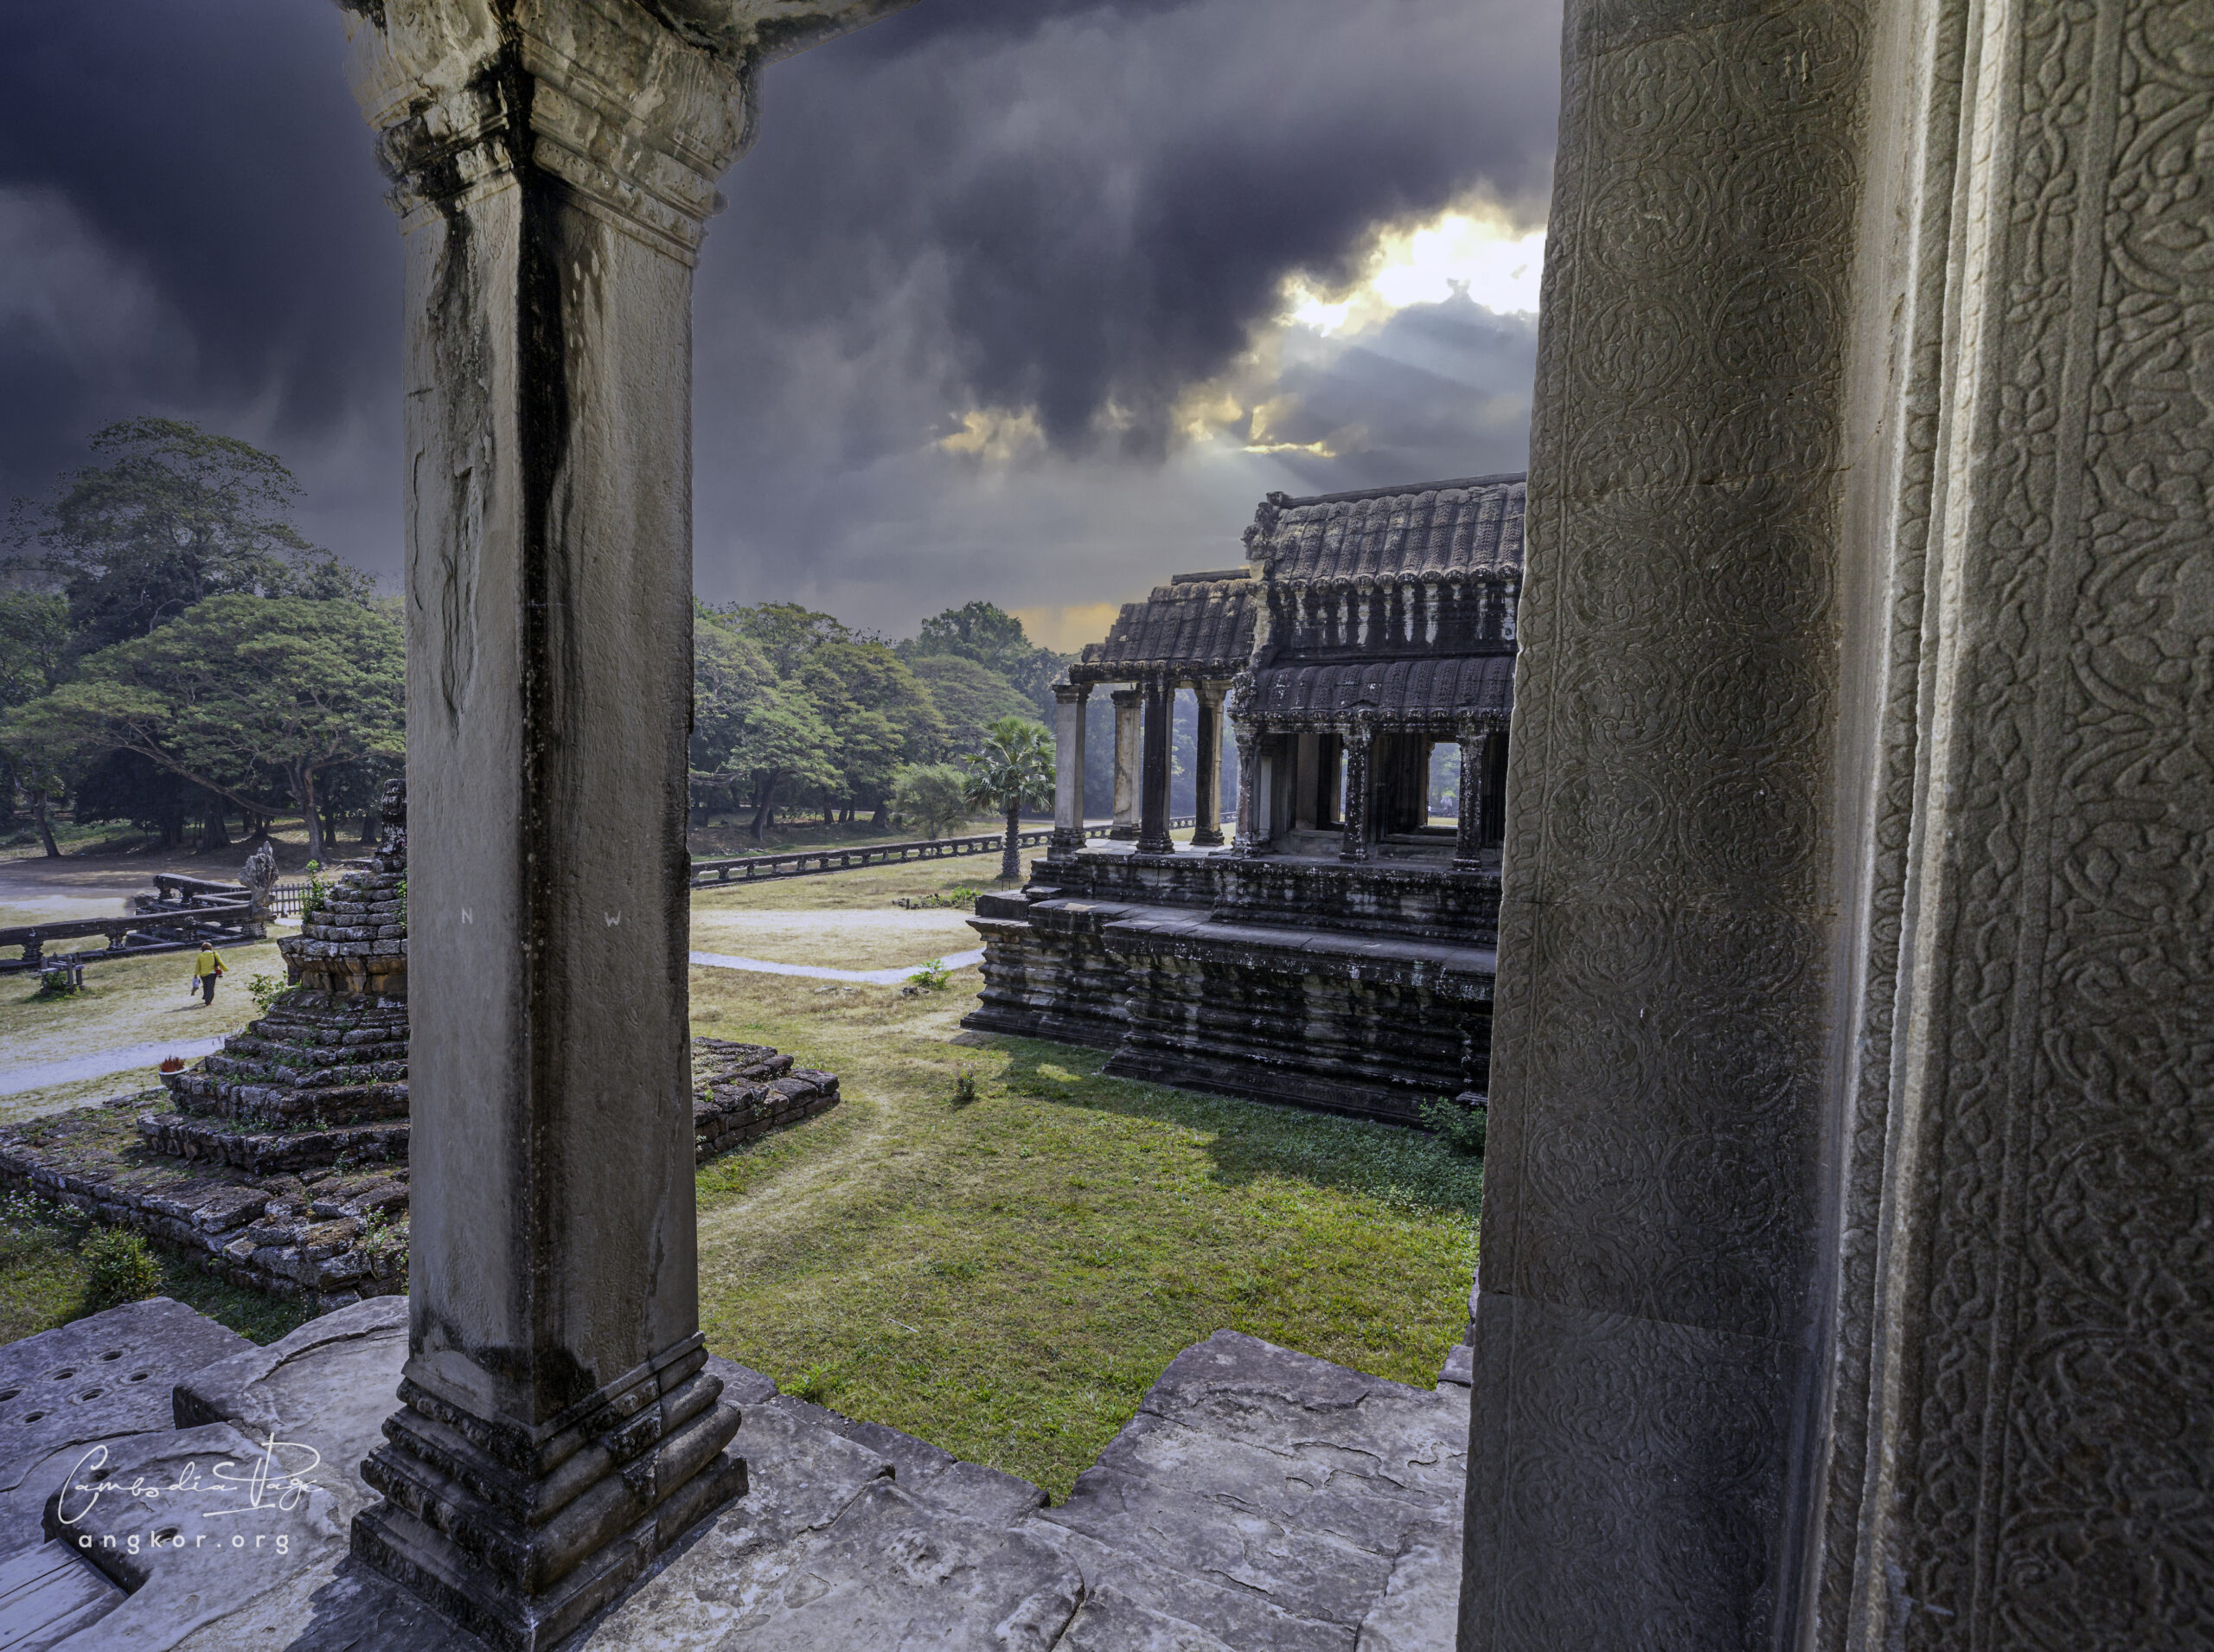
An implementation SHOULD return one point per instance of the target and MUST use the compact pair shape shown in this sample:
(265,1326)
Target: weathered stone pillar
(1128,743)
(1068,765)
(1849,1102)
(1468,823)
(1206,789)
(1247,838)
(1361,811)
(1153,770)
(554,160)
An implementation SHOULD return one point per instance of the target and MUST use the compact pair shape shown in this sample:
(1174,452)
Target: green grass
(1007,1278)
(44,1275)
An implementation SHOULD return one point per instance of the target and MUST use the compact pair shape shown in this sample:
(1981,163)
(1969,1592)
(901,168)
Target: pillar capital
(636,110)
(1071,694)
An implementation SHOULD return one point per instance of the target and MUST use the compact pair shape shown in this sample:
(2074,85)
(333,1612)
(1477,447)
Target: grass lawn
(128,1002)
(42,1277)
(1006,1277)
(837,940)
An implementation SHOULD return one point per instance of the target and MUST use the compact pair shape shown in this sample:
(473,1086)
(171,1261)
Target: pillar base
(1156,846)
(521,1540)
(1207,839)
(1123,834)
(1063,841)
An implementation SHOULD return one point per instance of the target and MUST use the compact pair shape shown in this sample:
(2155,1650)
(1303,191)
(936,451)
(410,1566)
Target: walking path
(872,977)
(14,1080)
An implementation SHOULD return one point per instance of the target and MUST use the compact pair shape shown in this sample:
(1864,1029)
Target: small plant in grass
(933,974)
(122,1269)
(61,980)
(814,1386)
(964,1087)
(1459,1126)
(266,989)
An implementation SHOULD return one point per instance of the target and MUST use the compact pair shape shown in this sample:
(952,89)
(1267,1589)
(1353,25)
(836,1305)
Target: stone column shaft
(1359,805)
(1206,825)
(1128,743)
(555,163)
(1068,765)
(1152,784)
(1248,740)
(1468,824)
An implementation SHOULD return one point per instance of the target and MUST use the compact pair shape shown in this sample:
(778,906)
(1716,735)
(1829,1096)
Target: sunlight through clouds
(1468,249)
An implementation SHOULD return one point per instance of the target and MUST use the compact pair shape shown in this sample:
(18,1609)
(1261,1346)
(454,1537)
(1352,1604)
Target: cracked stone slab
(1421,1607)
(194,1524)
(1110,1621)
(888,1575)
(329,1385)
(1235,1616)
(105,1376)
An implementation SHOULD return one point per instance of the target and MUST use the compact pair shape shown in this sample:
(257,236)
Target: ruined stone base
(743,1090)
(401,1547)
(269,1152)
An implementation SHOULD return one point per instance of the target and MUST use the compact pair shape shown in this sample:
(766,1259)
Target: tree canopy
(175,515)
(250,698)
(986,633)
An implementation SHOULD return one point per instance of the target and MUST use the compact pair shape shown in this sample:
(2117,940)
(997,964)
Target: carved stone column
(1361,811)
(1855,1024)
(1248,740)
(554,163)
(1130,743)
(1153,771)
(1468,824)
(1206,789)
(1068,765)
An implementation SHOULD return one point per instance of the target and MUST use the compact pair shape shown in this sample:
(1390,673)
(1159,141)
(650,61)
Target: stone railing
(807,863)
(158,929)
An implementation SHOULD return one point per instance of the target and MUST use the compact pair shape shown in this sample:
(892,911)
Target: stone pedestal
(554,163)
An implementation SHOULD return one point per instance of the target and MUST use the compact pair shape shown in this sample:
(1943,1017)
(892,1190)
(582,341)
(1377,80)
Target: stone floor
(1260,1498)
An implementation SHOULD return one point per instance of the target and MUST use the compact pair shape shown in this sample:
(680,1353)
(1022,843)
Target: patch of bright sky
(1465,249)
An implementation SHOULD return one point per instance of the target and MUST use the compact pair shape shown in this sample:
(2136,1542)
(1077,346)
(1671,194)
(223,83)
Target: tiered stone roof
(1439,691)
(1198,625)
(1471,527)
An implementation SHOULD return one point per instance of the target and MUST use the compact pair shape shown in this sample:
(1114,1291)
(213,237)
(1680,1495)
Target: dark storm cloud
(1074,208)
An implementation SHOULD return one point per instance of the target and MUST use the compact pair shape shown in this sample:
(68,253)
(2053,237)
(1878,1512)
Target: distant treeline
(174,653)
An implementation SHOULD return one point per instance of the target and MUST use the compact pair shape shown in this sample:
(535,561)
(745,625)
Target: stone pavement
(1260,1498)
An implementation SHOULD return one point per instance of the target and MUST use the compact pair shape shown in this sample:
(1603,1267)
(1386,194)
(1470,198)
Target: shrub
(123,1269)
(929,798)
(964,1087)
(265,990)
(318,892)
(933,974)
(1460,1127)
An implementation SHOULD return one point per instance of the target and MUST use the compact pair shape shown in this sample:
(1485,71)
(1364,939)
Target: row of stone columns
(1144,726)
(1479,758)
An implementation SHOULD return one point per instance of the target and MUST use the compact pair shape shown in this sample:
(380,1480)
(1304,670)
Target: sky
(1029,300)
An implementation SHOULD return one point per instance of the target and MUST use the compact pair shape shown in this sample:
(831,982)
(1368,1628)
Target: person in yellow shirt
(207,964)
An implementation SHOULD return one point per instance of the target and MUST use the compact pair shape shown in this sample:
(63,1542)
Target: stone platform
(1260,1499)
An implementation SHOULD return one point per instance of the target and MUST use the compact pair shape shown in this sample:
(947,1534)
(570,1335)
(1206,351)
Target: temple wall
(1853,1092)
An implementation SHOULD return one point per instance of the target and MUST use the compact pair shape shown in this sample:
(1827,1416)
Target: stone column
(1248,740)
(1153,782)
(1468,823)
(1207,790)
(1360,805)
(1128,743)
(554,163)
(1068,765)
(1854,1027)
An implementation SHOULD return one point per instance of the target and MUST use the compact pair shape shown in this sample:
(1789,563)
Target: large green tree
(1012,767)
(174,514)
(245,696)
(34,635)
(969,697)
(883,714)
(993,638)
(753,731)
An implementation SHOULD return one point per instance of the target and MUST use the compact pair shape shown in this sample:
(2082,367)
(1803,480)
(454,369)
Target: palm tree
(1013,766)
